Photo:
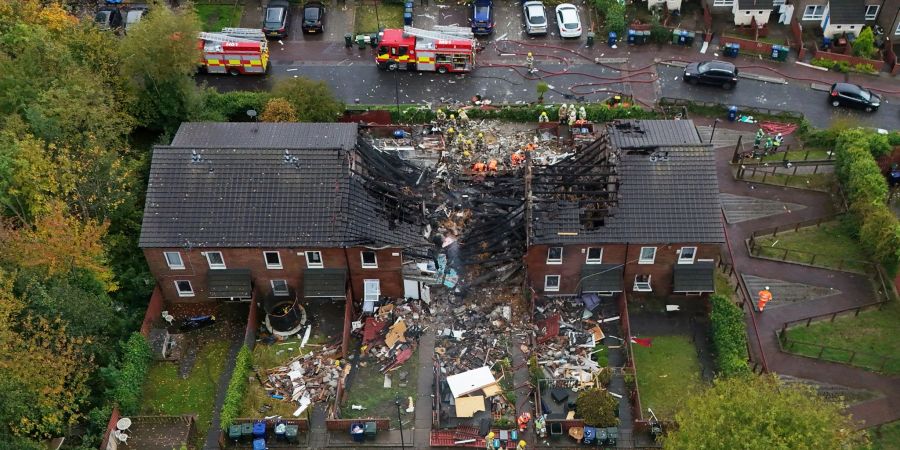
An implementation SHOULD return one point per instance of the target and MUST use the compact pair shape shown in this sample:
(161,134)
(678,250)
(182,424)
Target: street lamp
(713,131)
(400,420)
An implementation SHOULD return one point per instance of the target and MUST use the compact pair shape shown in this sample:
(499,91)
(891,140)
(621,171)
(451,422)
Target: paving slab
(832,392)
(739,208)
(786,293)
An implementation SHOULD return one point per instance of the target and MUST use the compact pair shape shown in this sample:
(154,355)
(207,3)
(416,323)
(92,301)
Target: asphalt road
(357,80)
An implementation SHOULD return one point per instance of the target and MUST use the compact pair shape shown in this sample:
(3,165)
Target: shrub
(659,33)
(598,408)
(237,387)
(615,18)
(230,106)
(312,100)
(865,68)
(135,364)
(880,235)
(729,337)
(864,45)
(278,110)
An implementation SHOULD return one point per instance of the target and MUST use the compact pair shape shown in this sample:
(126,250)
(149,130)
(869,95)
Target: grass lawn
(872,331)
(668,373)
(216,17)
(166,393)
(832,242)
(389,16)
(885,437)
(813,181)
(367,389)
(807,154)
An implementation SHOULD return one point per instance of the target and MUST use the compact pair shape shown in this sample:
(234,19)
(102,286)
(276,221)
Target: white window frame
(184,293)
(643,286)
(547,287)
(874,15)
(269,265)
(683,260)
(362,259)
(314,265)
(215,266)
(280,293)
(897,30)
(172,266)
(371,294)
(723,2)
(642,260)
(807,15)
(587,258)
(554,261)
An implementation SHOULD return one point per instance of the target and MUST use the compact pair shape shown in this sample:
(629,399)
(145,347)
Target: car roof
(534,3)
(719,64)
(564,6)
(849,87)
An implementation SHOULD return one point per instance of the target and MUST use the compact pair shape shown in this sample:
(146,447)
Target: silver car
(535,17)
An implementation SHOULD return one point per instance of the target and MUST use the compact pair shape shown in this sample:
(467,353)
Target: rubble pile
(475,335)
(391,335)
(309,378)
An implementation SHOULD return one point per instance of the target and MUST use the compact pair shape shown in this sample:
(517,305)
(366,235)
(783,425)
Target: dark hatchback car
(847,94)
(718,73)
(313,18)
(482,17)
(277,19)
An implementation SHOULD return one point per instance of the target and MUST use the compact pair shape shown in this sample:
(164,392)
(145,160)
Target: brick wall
(343,425)
(748,45)
(252,324)
(109,442)
(797,35)
(852,60)
(154,311)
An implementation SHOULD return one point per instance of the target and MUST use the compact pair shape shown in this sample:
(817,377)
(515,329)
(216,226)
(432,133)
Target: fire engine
(235,51)
(446,49)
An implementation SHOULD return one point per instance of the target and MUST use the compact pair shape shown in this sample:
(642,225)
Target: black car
(719,73)
(277,19)
(846,94)
(313,18)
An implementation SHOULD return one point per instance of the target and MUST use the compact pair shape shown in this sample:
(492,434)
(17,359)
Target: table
(123,424)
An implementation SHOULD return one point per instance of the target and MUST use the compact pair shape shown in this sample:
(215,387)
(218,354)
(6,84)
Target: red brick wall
(110,427)
(344,424)
(154,311)
(196,268)
(748,45)
(574,257)
(797,34)
(852,60)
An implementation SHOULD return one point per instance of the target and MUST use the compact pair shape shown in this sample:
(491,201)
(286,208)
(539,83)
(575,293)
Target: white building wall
(745,16)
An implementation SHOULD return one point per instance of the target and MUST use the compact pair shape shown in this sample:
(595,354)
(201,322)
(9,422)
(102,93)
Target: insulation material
(468,406)
(470,381)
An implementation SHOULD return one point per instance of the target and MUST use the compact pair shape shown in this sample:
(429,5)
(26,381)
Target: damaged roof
(846,12)
(667,191)
(207,195)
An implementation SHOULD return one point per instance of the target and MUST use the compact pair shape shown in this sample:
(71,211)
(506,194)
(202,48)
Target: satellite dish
(251,113)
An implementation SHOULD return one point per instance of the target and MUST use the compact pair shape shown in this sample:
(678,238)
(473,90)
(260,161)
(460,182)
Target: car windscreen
(311,14)
(536,15)
(703,67)
(866,95)
(273,16)
(482,12)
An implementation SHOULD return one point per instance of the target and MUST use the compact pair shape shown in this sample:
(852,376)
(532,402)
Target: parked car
(568,20)
(277,19)
(482,17)
(108,18)
(535,17)
(718,73)
(313,18)
(855,96)
(133,16)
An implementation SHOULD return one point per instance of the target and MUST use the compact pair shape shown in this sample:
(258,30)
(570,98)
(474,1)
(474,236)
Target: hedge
(237,387)
(729,337)
(135,364)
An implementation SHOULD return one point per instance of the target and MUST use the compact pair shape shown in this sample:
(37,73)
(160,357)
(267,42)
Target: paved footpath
(854,290)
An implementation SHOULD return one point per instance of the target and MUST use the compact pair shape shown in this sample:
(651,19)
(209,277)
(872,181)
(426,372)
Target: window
(687,255)
(215,260)
(897,31)
(814,12)
(273,260)
(551,283)
(280,288)
(173,259)
(872,12)
(369,260)
(648,255)
(642,283)
(723,2)
(594,255)
(314,260)
(371,293)
(184,288)
(839,27)
(554,255)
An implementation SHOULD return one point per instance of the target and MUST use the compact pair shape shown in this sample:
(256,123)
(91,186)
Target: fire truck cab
(234,51)
(424,50)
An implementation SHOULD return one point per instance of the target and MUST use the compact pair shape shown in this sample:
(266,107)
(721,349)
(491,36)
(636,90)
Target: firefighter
(479,142)
(521,446)
(517,158)
(441,116)
(452,120)
(582,113)
(543,118)
(451,135)
(523,420)
(572,115)
(779,139)
(529,61)
(479,167)
(463,117)
(563,113)
(492,165)
(758,139)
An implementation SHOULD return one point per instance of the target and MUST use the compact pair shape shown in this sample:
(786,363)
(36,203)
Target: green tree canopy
(760,413)
(598,408)
(312,100)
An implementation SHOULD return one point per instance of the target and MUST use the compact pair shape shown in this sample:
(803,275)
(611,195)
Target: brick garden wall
(852,60)
(748,45)
(154,311)
(344,424)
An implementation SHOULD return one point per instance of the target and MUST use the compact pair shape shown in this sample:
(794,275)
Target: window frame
(554,261)
(813,16)
(278,265)
(362,259)
(874,15)
(179,266)
(216,266)
(547,287)
(683,260)
(589,260)
(184,293)
(287,288)
(723,2)
(638,285)
(642,260)
(897,30)
(314,265)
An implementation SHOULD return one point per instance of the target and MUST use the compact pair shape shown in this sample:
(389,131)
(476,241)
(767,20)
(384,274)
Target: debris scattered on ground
(391,335)
(309,378)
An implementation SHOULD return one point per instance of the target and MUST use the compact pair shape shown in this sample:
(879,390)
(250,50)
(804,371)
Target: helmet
(450,130)
(481,135)
(452,116)
(529,54)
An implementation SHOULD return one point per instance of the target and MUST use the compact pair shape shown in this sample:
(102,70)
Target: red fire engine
(235,51)
(448,49)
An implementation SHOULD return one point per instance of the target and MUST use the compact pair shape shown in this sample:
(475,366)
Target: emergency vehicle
(447,49)
(235,51)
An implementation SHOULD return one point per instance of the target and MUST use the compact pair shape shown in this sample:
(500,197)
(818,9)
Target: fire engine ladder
(254,34)
(229,38)
(434,35)
(462,32)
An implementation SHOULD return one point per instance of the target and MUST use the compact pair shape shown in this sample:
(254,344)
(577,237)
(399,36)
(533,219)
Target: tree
(598,408)
(760,412)
(278,110)
(160,56)
(864,44)
(542,89)
(312,100)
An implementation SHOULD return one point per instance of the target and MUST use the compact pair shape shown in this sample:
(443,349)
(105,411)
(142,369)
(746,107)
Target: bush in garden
(237,387)
(133,372)
(598,408)
(729,337)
